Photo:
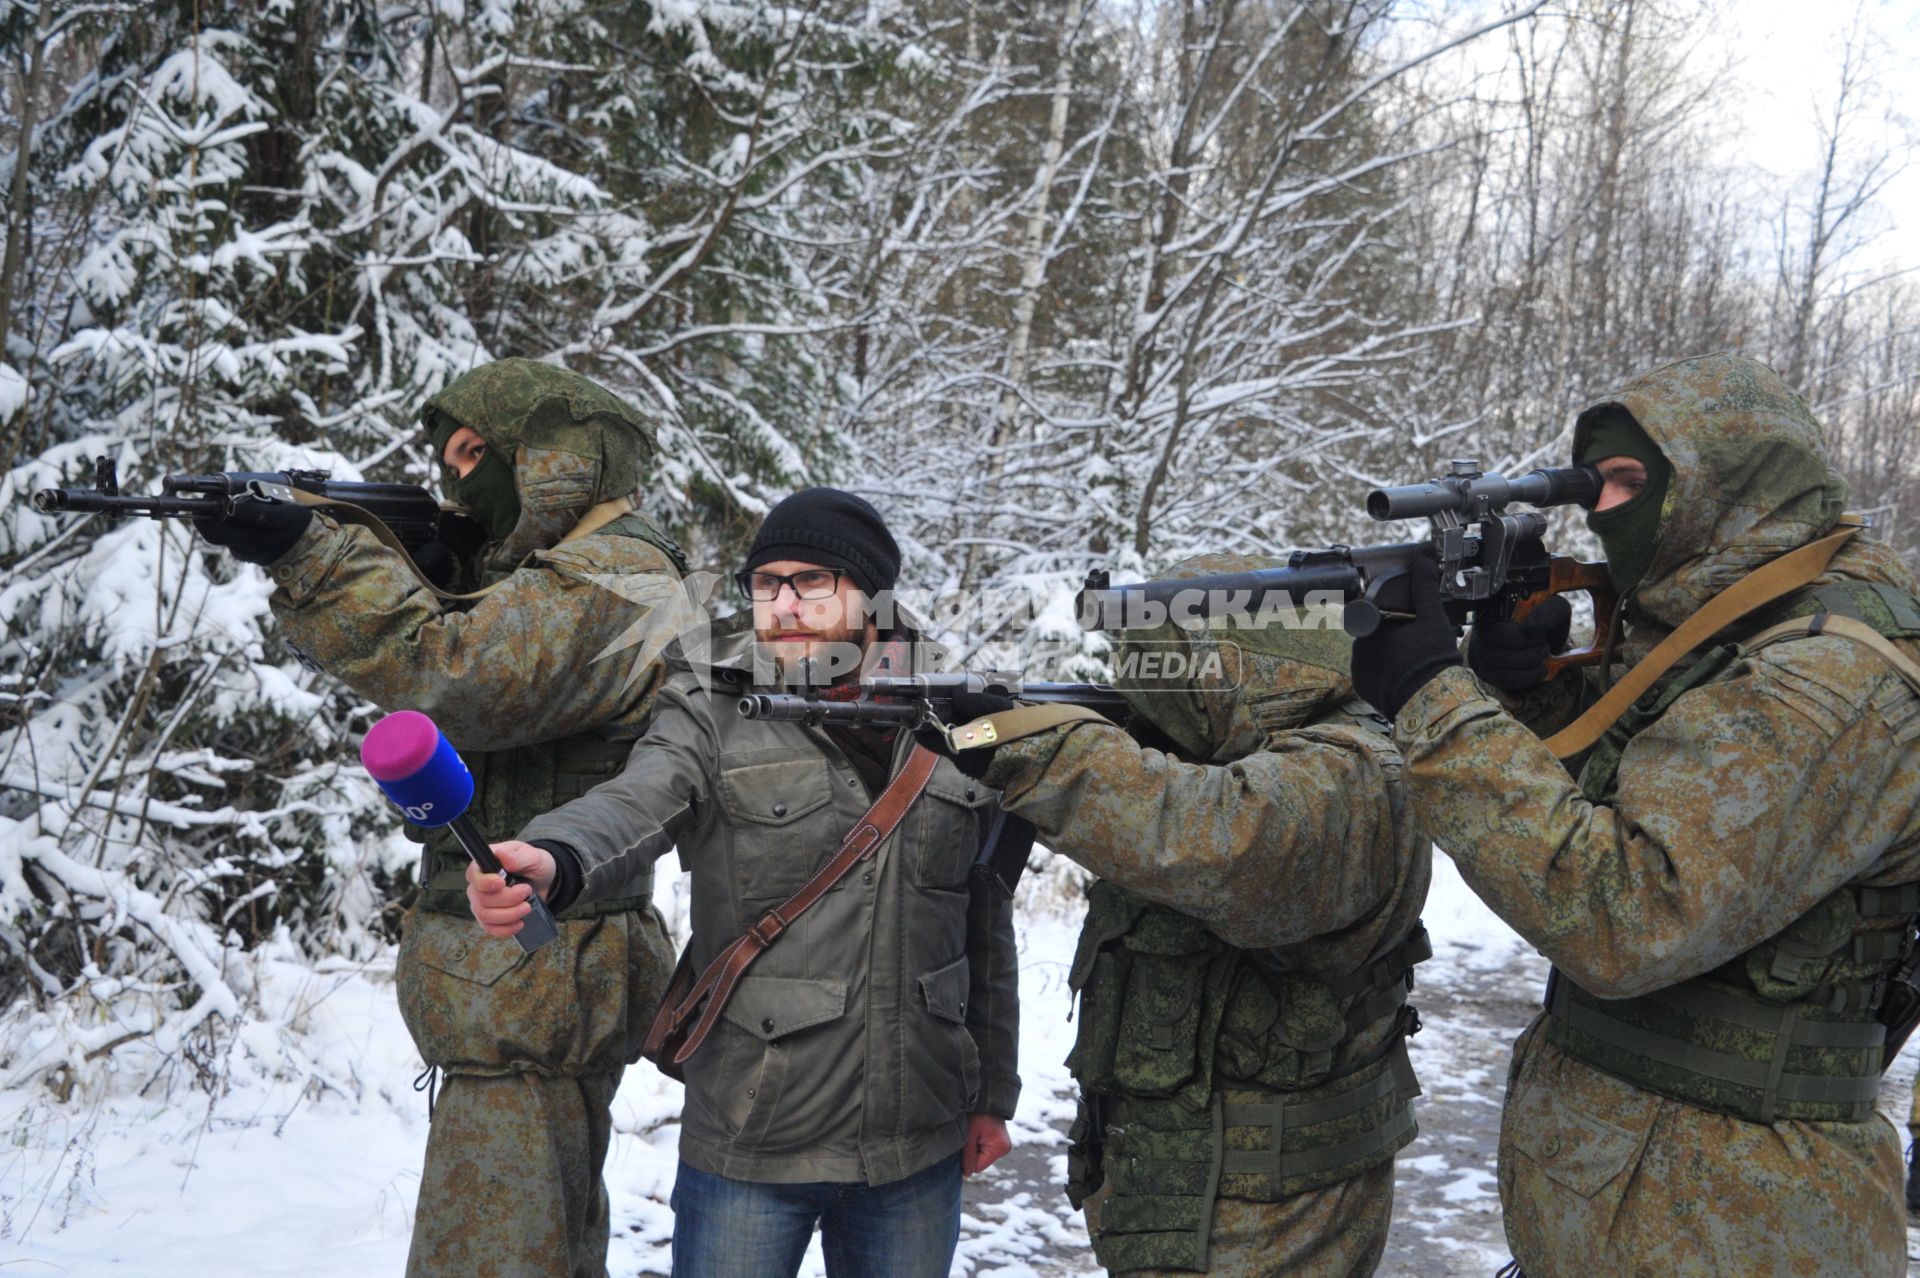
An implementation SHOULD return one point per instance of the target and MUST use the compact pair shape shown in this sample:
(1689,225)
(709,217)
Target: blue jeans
(725,1228)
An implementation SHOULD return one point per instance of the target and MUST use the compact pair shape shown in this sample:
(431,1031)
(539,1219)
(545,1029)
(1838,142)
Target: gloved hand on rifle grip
(258,532)
(967,706)
(1512,655)
(1399,658)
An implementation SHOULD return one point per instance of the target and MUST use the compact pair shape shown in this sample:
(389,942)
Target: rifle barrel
(85,501)
(787,707)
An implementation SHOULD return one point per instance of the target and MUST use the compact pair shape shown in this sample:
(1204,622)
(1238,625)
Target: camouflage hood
(1219,694)
(573,443)
(1751,480)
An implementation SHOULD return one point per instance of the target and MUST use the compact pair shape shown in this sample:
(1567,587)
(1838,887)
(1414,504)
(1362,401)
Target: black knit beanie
(833,529)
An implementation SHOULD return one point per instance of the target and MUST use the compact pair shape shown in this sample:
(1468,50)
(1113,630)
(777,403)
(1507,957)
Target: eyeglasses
(764,587)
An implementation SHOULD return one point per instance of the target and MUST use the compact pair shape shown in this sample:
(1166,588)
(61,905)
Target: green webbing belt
(1280,1116)
(1692,1070)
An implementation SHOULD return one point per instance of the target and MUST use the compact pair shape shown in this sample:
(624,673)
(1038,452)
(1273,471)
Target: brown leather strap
(717,983)
(1773,580)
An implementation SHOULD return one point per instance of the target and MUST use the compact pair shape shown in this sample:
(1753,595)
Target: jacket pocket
(954,816)
(945,1057)
(478,1004)
(777,804)
(1570,1141)
(945,991)
(772,1007)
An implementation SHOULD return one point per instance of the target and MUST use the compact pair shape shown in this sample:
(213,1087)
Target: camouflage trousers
(1598,1176)
(1336,1232)
(532,1047)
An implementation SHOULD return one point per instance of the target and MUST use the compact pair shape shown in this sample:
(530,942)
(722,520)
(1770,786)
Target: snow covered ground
(317,1178)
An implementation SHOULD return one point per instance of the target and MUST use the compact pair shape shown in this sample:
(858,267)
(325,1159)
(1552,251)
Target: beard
(794,654)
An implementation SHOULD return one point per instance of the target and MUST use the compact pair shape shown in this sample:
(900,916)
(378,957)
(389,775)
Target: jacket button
(867,877)
(969,792)
(963,1007)
(779,809)
(749,1093)
(766,1026)
(1551,1145)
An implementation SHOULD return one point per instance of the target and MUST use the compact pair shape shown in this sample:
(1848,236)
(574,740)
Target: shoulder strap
(1762,586)
(717,983)
(1848,628)
(1021,721)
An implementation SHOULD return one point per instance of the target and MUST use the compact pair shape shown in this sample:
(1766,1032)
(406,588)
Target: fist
(1512,655)
(987,1139)
(499,906)
(258,532)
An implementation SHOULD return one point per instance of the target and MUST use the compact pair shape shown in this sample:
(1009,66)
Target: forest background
(1058,284)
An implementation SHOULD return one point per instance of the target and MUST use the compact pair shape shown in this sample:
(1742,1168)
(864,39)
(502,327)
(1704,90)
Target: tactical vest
(1206,1070)
(1790,1029)
(511,787)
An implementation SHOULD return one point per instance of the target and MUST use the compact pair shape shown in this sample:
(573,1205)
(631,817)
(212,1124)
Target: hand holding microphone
(425,777)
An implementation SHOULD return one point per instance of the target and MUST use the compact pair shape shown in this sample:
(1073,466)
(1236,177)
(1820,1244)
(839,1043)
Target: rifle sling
(1772,581)
(1021,721)
(716,984)
(596,518)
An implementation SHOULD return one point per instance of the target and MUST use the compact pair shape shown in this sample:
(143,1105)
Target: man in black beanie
(835,554)
(856,1070)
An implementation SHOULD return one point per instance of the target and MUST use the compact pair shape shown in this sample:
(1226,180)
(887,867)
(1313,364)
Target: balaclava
(1629,531)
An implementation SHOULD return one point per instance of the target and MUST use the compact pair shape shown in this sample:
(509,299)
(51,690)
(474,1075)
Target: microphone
(426,778)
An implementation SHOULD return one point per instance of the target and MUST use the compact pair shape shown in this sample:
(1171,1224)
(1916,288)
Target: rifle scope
(1473,495)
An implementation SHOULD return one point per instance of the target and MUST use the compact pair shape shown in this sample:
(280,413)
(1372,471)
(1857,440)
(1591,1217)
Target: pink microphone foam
(399,745)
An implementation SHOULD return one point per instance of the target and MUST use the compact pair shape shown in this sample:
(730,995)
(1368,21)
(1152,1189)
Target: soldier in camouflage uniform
(1723,882)
(1244,965)
(532,1046)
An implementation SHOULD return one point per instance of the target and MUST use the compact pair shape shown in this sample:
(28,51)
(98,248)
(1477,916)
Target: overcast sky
(1787,55)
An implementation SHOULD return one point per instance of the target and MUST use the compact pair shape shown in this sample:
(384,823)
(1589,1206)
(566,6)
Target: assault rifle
(1491,561)
(926,700)
(411,512)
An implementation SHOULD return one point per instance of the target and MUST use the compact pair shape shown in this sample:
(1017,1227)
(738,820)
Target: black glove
(967,706)
(1512,655)
(1398,659)
(258,532)
(436,562)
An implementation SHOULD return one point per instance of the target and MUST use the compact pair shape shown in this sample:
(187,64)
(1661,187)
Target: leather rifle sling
(717,983)
(1758,588)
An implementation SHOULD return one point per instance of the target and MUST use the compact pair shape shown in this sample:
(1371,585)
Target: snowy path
(319,1180)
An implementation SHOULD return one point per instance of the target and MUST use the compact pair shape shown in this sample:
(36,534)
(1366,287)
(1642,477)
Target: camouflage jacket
(853,1049)
(1306,849)
(560,657)
(1229,954)
(1786,777)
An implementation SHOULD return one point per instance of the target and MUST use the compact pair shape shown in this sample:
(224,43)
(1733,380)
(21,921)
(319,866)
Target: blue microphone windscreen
(424,776)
